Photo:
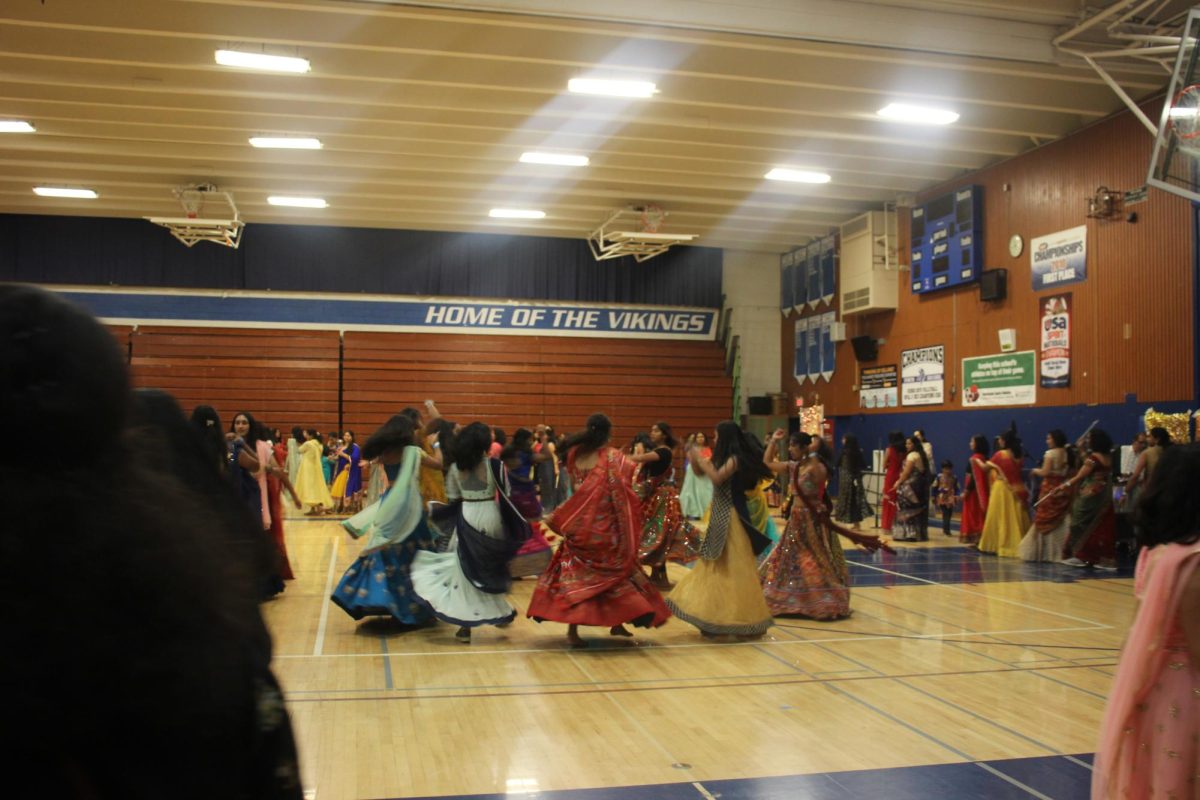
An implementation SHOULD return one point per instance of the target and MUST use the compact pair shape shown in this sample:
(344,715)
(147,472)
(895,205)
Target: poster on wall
(877,387)
(814,348)
(828,348)
(1007,379)
(1055,366)
(800,371)
(1059,258)
(923,376)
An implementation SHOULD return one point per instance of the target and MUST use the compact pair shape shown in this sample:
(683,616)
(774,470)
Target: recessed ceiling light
(239,58)
(59,191)
(919,115)
(286,142)
(612,88)
(516,213)
(297,202)
(797,175)
(15,126)
(554,159)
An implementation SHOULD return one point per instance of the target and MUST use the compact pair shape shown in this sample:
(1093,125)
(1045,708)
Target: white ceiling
(424,109)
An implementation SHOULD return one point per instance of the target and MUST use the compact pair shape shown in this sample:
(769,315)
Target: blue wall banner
(391,313)
(1059,258)
(800,370)
(828,348)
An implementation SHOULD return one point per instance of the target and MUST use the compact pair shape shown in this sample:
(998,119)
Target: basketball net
(1184,114)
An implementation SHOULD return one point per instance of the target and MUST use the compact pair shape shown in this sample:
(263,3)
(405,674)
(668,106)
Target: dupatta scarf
(601,524)
(979,478)
(1011,469)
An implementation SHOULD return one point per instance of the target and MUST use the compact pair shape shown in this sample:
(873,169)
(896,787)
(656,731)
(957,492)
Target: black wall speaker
(864,348)
(993,285)
(759,405)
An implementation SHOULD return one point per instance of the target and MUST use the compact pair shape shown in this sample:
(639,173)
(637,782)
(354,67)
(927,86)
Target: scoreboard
(947,240)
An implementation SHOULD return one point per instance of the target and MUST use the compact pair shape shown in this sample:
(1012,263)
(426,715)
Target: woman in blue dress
(378,583)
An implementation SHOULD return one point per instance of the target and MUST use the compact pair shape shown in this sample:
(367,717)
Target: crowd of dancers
(465,512)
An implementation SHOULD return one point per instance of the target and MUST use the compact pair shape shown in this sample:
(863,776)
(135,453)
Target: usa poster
(1056,341)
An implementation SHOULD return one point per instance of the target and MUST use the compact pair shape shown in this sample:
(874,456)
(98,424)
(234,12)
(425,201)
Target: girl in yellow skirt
(310,478)
(722,594)
(1007,518)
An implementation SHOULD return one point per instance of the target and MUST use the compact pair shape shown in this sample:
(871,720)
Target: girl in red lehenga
(891,473)
(594,577)
(666,535)
(975,492)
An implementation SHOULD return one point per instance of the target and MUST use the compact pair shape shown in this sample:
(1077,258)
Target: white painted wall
(750,282)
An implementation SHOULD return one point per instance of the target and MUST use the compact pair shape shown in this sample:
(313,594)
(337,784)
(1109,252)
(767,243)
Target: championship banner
(923,376)
(828,348)
(814,274)
(877,387)
(800,370)
(1059,258)
(799,279)
(814,348)
(1056,341)
(786,262)
(1008,379)
(296,310)
(828,268)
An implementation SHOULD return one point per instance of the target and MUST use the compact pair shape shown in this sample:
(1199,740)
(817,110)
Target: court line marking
(1012,780)
(771,655)
(648,646)
(387,664)
(416,693)
(1080,762)
(986,596)
(1052,750)
(699,787)
(902,723)
(1103,698)
(319,644)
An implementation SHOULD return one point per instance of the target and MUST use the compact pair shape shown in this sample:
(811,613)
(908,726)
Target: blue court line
(786,663)
(1065,777)
(831,652)
(1102,697)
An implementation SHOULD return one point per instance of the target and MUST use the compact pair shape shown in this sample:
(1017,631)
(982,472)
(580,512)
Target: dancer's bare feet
(573,637)
(619,630)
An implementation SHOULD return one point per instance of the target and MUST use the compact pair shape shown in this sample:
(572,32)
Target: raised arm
(769,455)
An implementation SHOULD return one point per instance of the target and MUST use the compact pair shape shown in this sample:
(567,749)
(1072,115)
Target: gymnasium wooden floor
(958,676)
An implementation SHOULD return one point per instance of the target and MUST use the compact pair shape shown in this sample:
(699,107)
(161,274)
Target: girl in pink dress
(1150,738)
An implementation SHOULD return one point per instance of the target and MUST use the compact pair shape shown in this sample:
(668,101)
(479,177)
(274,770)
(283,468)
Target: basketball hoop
(192,228)
(1183,118)
(652,218)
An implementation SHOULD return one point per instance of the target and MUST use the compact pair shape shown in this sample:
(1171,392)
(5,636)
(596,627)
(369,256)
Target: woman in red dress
(594,577)
(891,473)
(975,492)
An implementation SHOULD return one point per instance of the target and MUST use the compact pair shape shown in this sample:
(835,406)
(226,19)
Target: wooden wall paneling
(284,378)
(1139,274)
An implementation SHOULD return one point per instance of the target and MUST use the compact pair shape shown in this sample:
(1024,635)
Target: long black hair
(669,439)
(595,435)
(207,425)
(471,446)
(397,432)
(852,454)
(919,450)
(1099,441)
(1168,508)
(1161,436)
(522,442)
(1012,442)
(733,442)
(896,442)
(254,434)
(980,446)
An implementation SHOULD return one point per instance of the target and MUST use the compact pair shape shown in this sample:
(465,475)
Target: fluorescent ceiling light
(797,175)
(297,202)
(286,142)
(15,126)
(555,159)
(611,88)
(919,115)
(238,58)
(57,191)
(516,213)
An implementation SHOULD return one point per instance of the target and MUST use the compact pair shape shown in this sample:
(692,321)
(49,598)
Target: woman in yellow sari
(1007,518)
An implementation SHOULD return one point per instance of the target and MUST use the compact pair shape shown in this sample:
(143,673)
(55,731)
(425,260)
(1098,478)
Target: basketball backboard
(1175,163)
